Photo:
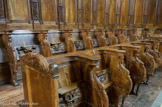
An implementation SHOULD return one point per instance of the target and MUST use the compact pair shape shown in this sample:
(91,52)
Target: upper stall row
(79,14)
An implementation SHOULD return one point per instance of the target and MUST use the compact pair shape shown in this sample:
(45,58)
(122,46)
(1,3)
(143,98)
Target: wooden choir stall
(80,53)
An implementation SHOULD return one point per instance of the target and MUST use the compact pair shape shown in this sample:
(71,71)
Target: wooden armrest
(140,43)
(131,46)
(110,50)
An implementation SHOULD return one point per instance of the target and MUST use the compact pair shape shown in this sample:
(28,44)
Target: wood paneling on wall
(79,14)
(151,12)
(17,14)
(70,10)
(112,12)
(100,14)
(138,13)
(87,13)
(124,15)
(48,13)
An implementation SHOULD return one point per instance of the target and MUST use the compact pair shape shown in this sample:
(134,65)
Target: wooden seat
(70,80)
(133,64)
(146,58)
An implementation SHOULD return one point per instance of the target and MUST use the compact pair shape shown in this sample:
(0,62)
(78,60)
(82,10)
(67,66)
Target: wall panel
(160,15)
(100,13)
(87,13)
(70,11)
(49,14)
(2,15)
(73,14)
(112,12)
(151,12)
(123,17)
(18,14)
(138,13)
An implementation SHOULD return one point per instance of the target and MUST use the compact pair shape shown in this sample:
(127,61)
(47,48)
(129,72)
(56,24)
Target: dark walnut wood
(154,51)
(121,36)
(16,50)
(147,59)
(44,44)
(111,37)
(157,33)
(83,14)
(96,67)
(137,71)
(12,58)
(132,36)
(70,46)
(120,76)
(69,80)
(113,61)
(159,40)
(86,37)
(101,37)
(145,34)
(133,64)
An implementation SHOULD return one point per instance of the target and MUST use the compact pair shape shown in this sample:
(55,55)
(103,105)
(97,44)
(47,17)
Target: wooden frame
(145,12)
(157,13)
(15,16)
(117,11)
(131,11)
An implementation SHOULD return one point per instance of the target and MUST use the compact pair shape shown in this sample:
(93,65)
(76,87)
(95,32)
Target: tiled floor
(146,97)
(147,93)
(158,101)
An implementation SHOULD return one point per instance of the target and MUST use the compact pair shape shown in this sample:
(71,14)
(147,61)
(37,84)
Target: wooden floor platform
(9,95)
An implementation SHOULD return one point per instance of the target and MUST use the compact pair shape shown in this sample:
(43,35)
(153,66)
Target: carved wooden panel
(160,16)
(61,12)
(117,11)
(138,13)
(48,10)
(112,12)
(48,13)
(87,13)
(2,15)
(68,87)
(151,12)
(94,12)
(70,14)
(145,12)
(100,13)
(2,11)
(82,14)
(35,6)
(79,13)
(124,15)
(158,11)
(131,11)
(77,40)
(57,45)
(18,10)
(106,12)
